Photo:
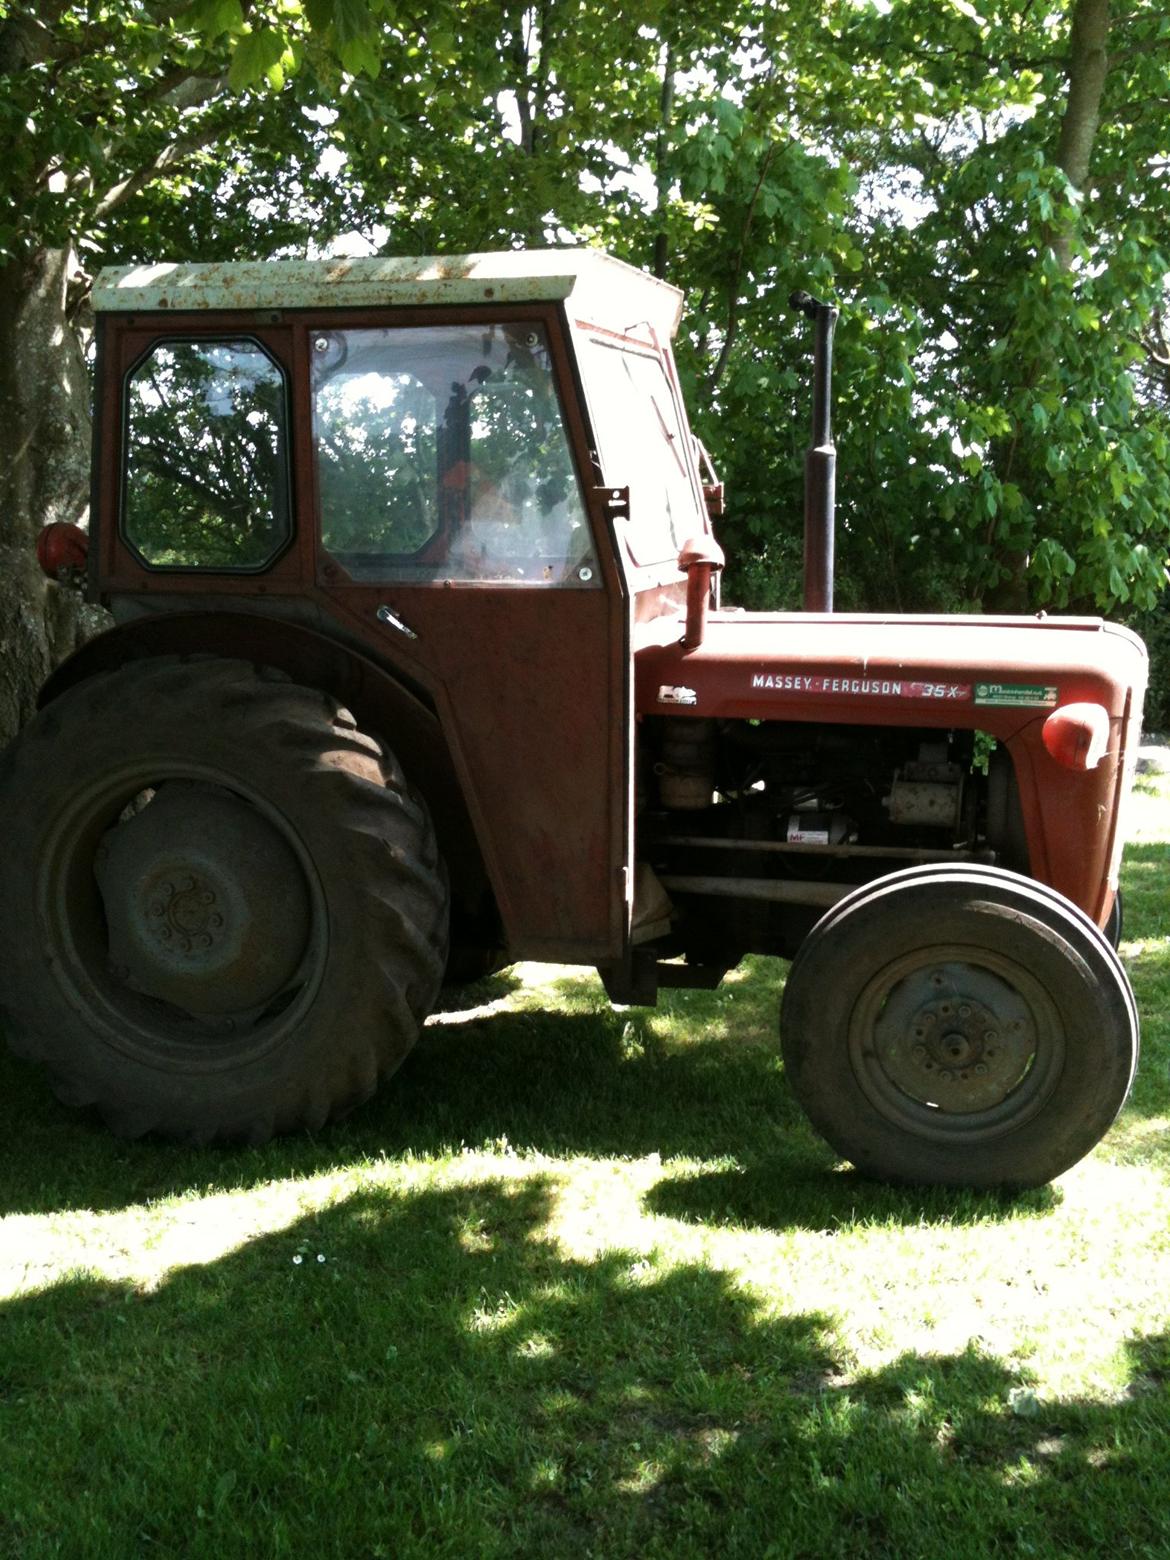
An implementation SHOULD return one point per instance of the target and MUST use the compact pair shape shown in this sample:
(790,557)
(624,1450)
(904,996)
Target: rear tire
(961,1026)
(229,914)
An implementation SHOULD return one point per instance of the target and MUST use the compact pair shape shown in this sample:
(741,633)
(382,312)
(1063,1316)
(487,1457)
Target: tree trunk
(44,412)
(1088,64)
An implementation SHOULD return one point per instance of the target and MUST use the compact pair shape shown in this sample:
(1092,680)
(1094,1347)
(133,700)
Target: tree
(1001,303)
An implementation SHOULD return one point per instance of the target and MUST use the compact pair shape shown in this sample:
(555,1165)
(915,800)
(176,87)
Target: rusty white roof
(602,290)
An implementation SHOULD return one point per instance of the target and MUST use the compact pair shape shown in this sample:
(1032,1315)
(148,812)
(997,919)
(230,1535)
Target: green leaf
(212,18)
(255,55)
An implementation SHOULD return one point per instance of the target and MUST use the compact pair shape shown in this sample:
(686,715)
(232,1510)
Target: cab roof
(601,289)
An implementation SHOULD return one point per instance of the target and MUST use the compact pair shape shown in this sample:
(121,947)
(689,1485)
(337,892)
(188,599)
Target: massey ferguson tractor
(418,665)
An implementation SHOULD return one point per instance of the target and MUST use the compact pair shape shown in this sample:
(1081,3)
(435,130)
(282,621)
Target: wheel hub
(955,1036)
(185,916)
(206,904)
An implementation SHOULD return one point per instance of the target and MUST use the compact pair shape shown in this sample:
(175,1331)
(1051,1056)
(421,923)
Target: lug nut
(964,1011)
(980,1069)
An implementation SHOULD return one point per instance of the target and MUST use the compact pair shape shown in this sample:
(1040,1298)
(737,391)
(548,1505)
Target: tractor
(418,667)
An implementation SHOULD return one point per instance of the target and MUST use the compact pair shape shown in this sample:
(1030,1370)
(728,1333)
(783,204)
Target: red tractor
(418,665)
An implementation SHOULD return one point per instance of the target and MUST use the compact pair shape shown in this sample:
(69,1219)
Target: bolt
(158,908)
(203,941)
(946,1074)
(168,890)
(990,1036)
(206,898)
(165,933)
(215,921)
(185,944)
(980,1069)
(187,885)
(964,1011)
(919,1053)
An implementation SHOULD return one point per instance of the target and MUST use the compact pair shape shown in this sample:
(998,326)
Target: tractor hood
(993,673)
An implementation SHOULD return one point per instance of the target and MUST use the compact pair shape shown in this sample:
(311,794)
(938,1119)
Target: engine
(754,829)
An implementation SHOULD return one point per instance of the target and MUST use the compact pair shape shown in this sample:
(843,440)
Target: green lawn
(583,1282)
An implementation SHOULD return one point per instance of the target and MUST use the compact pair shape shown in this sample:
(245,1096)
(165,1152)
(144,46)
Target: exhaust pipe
(820,461)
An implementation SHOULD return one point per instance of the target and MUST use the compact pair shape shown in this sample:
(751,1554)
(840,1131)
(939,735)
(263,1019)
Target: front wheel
(227,915)
(961,1026)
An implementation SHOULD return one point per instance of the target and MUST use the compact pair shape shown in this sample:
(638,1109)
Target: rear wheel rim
(104,952)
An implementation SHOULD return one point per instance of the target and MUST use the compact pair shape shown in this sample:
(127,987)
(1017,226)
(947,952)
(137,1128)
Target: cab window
(205,479)
(643,446)
(442,455)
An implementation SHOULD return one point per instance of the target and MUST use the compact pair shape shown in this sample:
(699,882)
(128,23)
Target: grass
(583,1282)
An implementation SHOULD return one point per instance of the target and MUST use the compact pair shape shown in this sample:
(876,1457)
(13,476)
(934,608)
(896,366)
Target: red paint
(61,547)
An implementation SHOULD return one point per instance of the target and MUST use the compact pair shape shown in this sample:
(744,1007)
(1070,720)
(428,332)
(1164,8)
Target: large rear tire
(227,914)
(961,1026)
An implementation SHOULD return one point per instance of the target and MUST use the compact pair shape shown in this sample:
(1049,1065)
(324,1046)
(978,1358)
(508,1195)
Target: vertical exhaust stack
(820,461)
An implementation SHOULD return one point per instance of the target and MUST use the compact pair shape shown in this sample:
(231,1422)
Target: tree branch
(737,270)
(134,183)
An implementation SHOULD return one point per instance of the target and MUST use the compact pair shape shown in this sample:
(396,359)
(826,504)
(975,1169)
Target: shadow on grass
(470,994)
(446,1381)
(754,1196)
(563,1084)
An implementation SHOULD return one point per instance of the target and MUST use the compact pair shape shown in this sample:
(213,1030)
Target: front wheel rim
(954,1043)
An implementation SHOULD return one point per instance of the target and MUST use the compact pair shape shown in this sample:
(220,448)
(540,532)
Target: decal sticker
(870,687)
(1028,695)
(800,834)
(668,695)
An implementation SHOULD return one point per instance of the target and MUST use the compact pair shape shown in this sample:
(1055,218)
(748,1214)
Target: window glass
(206,484)
(643,447)
(442,454)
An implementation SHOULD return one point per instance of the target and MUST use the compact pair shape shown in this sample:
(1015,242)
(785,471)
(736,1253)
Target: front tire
(227,913)
(961,1026)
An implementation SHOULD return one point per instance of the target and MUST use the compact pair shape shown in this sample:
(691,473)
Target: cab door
(460,537)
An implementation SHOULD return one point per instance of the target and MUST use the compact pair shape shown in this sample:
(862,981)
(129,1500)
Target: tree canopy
(980,184)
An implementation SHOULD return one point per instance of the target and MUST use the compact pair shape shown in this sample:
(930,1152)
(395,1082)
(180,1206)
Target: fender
(389,707)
